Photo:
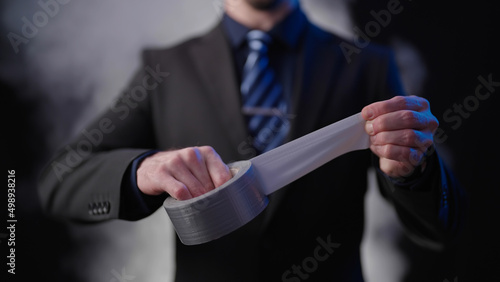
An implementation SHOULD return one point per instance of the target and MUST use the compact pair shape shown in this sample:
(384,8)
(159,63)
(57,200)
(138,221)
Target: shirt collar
(287,32)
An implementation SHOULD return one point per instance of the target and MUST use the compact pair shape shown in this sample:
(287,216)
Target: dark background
(455,42)
(458,42)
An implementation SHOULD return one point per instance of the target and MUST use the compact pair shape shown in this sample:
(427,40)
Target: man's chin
(264,4)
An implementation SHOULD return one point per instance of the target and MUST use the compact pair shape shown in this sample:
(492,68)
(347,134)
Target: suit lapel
(213,60)
(314,74)
(312,78)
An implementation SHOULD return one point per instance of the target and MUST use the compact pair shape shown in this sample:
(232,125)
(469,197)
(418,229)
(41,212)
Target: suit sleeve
(86,178)
(430,204)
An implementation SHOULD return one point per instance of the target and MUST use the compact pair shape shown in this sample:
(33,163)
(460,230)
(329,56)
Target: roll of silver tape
(220,211)
(230,206)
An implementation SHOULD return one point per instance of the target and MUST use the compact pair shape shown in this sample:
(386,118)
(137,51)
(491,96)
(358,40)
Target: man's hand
(401,129)
(183,174)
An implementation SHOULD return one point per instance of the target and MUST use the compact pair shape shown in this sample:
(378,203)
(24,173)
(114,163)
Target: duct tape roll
(244,196)
(220,211)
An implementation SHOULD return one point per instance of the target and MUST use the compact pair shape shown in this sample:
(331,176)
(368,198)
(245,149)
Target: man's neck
(264,20)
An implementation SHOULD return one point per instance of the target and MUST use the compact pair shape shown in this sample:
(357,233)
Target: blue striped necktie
(263,99)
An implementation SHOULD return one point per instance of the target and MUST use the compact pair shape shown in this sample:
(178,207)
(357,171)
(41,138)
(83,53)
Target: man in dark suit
(145,147)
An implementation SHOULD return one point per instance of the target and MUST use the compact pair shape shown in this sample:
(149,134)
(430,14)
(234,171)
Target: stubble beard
(264,4)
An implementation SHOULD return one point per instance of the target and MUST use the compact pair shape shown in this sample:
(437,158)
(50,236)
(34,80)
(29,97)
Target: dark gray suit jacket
(188,95)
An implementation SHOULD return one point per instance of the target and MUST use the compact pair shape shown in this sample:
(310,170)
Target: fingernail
(369,128)
(369,114)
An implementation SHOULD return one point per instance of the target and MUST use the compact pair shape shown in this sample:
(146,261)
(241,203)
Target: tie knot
(258,40)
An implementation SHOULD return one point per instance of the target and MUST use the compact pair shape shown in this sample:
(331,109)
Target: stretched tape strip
(230,206)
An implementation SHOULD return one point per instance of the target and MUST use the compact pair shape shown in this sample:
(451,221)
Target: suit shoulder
(322,35)
(177,49)
(362,51)
(366,49)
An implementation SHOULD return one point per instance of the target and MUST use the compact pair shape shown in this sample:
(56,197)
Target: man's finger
(195,161)
(397,103)
(402,119)
(399,153)
(218,170)
(396,169)
(185,176)
(176,189)
(405,137)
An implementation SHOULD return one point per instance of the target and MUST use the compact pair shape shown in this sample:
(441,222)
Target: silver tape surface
(220,211)
(230,206)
